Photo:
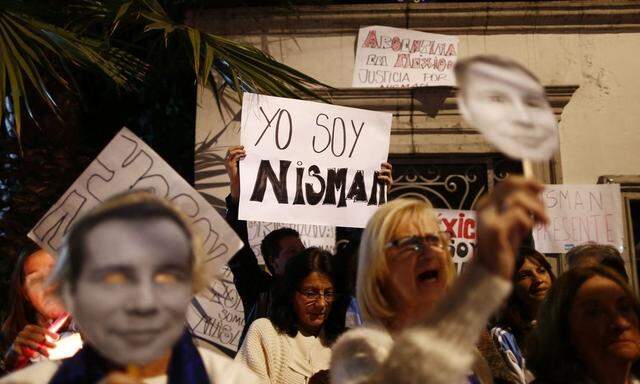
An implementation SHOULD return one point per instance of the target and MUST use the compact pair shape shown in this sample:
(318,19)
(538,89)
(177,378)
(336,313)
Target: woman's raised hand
(234,154)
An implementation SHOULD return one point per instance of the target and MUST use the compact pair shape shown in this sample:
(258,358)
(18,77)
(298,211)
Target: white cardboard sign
(399,58)
(461,226)
(127,163)
(578,214)
(216,315)
(321,236)
(311,163)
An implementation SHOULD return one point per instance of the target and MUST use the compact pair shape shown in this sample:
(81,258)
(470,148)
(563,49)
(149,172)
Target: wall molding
(591,16)
(429,102)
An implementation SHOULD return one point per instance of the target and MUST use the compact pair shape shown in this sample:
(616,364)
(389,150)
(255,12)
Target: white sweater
(440,351)
(278,358)
(220,369)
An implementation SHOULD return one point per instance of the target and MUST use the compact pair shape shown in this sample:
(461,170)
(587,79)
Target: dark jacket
(253,283)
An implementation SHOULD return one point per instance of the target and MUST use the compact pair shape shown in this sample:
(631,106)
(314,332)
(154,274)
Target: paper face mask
(133,290)
(510,109)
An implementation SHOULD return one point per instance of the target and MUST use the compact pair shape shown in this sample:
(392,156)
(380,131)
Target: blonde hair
(135,205)
(373,267)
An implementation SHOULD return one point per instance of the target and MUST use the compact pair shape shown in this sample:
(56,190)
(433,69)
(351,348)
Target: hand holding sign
(507,104)
(234,154)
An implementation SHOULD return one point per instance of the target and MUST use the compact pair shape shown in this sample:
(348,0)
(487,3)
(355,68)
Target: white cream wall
(599,131)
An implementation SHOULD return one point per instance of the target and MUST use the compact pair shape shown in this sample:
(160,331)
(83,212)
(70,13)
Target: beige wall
(600,127)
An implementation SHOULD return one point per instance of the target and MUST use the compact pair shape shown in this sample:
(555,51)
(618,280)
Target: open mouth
(428,276)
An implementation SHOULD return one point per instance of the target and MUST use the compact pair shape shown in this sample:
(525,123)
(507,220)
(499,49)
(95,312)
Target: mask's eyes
(165,278)
(169,276)
(115,278)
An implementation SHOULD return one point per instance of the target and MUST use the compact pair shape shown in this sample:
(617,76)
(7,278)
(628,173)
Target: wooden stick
(527,169)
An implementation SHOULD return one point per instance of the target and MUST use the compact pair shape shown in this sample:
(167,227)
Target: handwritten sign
(216,315)
(311,163)
(399,58)
(128,163)
(321,236)
(461,226)
(578,214)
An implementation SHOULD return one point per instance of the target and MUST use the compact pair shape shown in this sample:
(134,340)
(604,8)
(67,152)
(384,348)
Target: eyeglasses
(419,243)
(312,295)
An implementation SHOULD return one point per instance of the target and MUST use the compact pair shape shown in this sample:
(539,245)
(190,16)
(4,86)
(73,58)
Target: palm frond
(31,49)
(242,66)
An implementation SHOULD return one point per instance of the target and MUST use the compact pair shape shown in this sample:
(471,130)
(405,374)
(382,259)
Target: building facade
(585,54)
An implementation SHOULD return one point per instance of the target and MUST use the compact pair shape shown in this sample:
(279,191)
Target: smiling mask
(510,109)
(133,290)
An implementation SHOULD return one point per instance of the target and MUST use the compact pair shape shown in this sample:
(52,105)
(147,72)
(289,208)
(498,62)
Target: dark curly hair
(300,266)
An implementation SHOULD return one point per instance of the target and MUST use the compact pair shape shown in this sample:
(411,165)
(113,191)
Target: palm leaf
(248,67)
(29,48)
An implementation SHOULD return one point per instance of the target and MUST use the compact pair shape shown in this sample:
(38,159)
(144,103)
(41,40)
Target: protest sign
(461,226)
(216,315)
(311,163)
(321,236)
(508,106)
(579,214)
(400,58)
(128,163)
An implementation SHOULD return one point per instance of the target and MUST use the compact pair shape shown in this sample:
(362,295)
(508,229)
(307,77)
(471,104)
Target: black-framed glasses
(438,240)
(312,295)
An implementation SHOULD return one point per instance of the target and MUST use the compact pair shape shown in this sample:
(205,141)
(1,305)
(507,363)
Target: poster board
(312,235)
(389,57)
(128,163)
(311,162)
(461,225)
(579,214)
(216,315)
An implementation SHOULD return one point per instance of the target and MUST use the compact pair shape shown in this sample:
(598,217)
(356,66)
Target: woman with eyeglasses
(294,344)
(420,326)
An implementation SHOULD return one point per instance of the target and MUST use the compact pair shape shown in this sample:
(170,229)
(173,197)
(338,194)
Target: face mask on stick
(507,104)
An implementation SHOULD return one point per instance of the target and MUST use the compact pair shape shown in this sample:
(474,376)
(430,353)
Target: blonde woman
(420,326)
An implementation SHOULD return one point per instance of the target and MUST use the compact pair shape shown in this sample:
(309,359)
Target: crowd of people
(112,308)
(387,307)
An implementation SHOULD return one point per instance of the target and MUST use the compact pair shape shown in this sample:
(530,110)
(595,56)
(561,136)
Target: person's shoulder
(36,373)
(262,326)
(223,370)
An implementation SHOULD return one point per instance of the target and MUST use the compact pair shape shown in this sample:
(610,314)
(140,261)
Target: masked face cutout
(133,290)
(510,109)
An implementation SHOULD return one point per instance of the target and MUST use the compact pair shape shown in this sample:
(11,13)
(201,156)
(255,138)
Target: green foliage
(32,50)
(86,36)
(250,68)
